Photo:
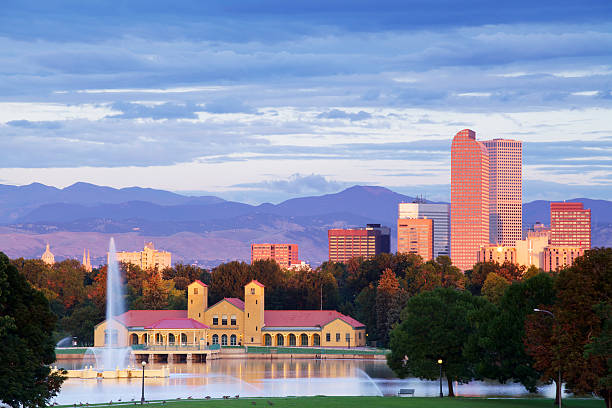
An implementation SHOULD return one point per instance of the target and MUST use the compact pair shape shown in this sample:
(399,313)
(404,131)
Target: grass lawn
(363,402)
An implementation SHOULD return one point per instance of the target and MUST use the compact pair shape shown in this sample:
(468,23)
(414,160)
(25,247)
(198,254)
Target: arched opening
(233,340)
(215,339)
(267,340)
(145,338)
(292,340)
(159,339)
(303,339)
(280,340)
(224,340)
(171,339)
(316,340)
(183,338)
(134,339)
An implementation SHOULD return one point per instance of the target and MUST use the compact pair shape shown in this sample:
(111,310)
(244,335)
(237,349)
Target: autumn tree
(390,299)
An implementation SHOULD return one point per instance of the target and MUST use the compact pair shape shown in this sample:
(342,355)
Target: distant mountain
(17,201)
(83,214)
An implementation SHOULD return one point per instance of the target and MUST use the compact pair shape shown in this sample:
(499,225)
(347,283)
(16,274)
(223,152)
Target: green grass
(75,350)
(382,402)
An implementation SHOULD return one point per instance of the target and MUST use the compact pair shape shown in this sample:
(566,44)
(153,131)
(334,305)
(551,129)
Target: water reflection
(270,378)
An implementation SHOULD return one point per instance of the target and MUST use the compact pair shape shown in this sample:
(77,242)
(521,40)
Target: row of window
(215,320)
(233,339)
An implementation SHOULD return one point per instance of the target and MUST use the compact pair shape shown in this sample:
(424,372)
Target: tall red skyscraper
(570,225)
(505,191)
(469,198)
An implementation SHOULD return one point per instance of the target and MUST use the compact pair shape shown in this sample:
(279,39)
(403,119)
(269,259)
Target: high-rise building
(570,225)
(505,191)
(367,242)
(148,258)
(469,198)
(415,236)
(284,254)
(439,214)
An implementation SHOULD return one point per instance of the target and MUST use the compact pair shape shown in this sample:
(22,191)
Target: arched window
(134,339)
(304,340)
(280,340)
(316,340)
(171,338)
(183,338)
(145,338)
(233,340)
(267,340)
(292,341)
(224,340)
(215,339)
(159,338)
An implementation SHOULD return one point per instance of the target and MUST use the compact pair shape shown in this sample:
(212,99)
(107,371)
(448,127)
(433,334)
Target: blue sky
(267,100)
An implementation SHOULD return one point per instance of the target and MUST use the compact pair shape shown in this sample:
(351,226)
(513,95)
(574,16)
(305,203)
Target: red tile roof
(145,318)
(236,302)
(200,282)
(178,324)
(257,283)
(305,318)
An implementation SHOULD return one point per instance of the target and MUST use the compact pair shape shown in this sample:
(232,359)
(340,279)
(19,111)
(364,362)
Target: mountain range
(205,229)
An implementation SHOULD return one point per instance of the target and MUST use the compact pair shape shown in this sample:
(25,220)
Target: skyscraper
(415,236)
(505,191)
(469,198)
(284,254)
(439,214)
(367,242)
(570,225)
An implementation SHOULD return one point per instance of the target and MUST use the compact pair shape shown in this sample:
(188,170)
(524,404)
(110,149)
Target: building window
(224,340)
(233,340)
(280,340)
(337,337)
(303,340)
(215,339)
(348,337)
(316,340)
(215,320)
(191,301)
(359,335)
(252,291)
(268,340)
(255,301)
(292,340)
(171,339)
(195,291)
(328,337)
(224,320)
(233,321)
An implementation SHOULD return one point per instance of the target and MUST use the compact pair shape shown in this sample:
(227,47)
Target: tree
(497,345)
(435,325)
(390,299)
(601,347)
(494,287)
(26,326)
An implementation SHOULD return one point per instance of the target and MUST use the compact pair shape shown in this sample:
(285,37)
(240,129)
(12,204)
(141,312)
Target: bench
(405,391)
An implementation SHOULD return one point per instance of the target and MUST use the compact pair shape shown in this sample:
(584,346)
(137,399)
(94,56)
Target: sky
(266,100)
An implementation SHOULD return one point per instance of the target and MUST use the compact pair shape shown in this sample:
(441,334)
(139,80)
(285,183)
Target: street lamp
(440,364)
(559,386)
(142,400)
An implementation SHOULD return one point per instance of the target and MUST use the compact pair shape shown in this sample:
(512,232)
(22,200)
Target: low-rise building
(148,258)
(497,253)
(47,256)
(559,257)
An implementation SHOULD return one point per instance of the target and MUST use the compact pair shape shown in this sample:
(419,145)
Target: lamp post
(142,400)
(440,364)
(559,387)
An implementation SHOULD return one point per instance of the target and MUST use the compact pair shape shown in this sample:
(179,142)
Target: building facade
(47,256)
(570,225)
(469,198)
(498,254)
(439,214)
(559,257)
(344,244)
(505,191)
(416,236)
(86,261)
(231,321)
(284,254)
(148,258)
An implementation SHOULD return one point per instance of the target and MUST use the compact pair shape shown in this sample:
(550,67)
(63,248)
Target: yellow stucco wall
(254,310)
(122,334)
(224,308)
(197,302)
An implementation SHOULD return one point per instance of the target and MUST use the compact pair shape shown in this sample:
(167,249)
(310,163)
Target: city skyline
(297,99)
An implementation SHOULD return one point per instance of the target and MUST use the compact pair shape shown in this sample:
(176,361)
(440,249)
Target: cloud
(340,114)
(166,110)
(34,124)
(298,184)
(228,105)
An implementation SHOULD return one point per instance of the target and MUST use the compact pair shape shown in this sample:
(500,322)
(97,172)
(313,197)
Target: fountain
(113,360)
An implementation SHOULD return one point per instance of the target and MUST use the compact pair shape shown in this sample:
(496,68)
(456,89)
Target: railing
(174,347)
(314,350)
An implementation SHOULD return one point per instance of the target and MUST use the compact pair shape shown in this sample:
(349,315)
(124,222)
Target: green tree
(494,287)
(601,347)
(26,326)
(497,345)
(435,325)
